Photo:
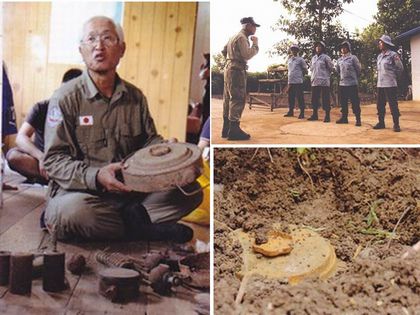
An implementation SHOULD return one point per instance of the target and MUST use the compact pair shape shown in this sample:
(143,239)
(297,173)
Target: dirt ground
(268,127)
(336,192)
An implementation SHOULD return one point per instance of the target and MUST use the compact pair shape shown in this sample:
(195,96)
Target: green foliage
(294,193)
(398,16)
(311,20)
(372,216)
(219,63)
(372,221)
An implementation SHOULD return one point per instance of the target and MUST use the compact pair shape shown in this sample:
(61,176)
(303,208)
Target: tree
(312,20)
(219,63)
(397,16)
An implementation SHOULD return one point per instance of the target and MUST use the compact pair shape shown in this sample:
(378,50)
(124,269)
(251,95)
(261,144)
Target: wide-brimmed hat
(295,46)
(345,43)
(319,42)
(387,40)
(249,20)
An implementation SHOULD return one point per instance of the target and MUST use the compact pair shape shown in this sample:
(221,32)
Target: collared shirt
(296,67)
(348,67)
(321,67)
(389,67)
(86,131)
(237,51)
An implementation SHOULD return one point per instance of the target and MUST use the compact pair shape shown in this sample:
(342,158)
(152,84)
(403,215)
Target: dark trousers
(349,93)
(317,93)
(389,94)
(296,91)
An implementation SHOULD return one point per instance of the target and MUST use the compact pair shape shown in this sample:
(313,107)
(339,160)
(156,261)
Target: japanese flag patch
(86,120)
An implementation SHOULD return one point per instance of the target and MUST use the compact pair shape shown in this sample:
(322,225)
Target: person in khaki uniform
(94,122)
(237,52)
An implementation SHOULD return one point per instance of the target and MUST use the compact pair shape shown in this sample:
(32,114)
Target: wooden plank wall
(159,37)
(201,46)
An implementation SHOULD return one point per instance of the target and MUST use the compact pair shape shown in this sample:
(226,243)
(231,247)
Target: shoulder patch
(54,116)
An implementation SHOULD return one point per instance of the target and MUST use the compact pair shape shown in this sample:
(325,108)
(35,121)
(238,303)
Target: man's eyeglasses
(107,39)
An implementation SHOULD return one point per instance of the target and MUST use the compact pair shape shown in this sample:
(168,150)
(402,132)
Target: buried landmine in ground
(316,231)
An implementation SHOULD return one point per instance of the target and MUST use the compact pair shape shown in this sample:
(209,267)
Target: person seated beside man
(26,157)
(93,123)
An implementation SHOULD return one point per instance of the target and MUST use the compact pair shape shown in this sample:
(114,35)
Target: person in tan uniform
(237,52)
(93,123)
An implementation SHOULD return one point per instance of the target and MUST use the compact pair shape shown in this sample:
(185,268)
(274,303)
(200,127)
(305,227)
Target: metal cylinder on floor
(54,272)
(4,267)
(20,280)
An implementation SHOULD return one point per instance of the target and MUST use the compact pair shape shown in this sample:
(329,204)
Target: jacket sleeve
(152,137)
(357,66)
(62,158)
(246,51)
(398,64)
(330,65)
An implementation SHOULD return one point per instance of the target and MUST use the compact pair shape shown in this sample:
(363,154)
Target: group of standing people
(348,67)
(238,51)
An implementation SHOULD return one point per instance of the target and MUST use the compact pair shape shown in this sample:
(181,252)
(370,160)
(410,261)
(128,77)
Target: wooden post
(53,273)
(21,273)
(4,267)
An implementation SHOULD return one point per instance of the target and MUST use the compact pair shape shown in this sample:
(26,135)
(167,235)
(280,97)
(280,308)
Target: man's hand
(254,40)
(107,178)
(42,170)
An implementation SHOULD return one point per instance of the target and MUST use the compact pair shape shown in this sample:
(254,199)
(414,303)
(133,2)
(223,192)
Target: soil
(337,192)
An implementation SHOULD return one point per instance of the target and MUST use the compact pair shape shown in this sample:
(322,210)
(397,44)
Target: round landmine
(278,243)
(312,256)
(162,167)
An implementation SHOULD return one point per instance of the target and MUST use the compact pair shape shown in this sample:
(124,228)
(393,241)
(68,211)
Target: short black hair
(71,74)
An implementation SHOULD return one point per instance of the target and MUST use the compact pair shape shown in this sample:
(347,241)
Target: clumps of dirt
(389,286)
(227,263)
(354,198)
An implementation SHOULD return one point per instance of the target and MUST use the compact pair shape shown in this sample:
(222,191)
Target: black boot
(314,116)
(396,124)
(139,227)
(174,232)
(301,115)
(327,117)
(225,129)
(380,124)
(358,121)
(342,120)
(289,113)
(236,133)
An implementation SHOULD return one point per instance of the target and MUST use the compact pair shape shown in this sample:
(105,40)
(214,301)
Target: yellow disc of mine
(312,256)
(278,243)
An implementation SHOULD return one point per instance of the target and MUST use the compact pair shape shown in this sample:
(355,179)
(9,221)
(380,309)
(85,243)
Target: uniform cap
(387,40)
(295,46)
(345,43)
(320,42)
(249,20)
